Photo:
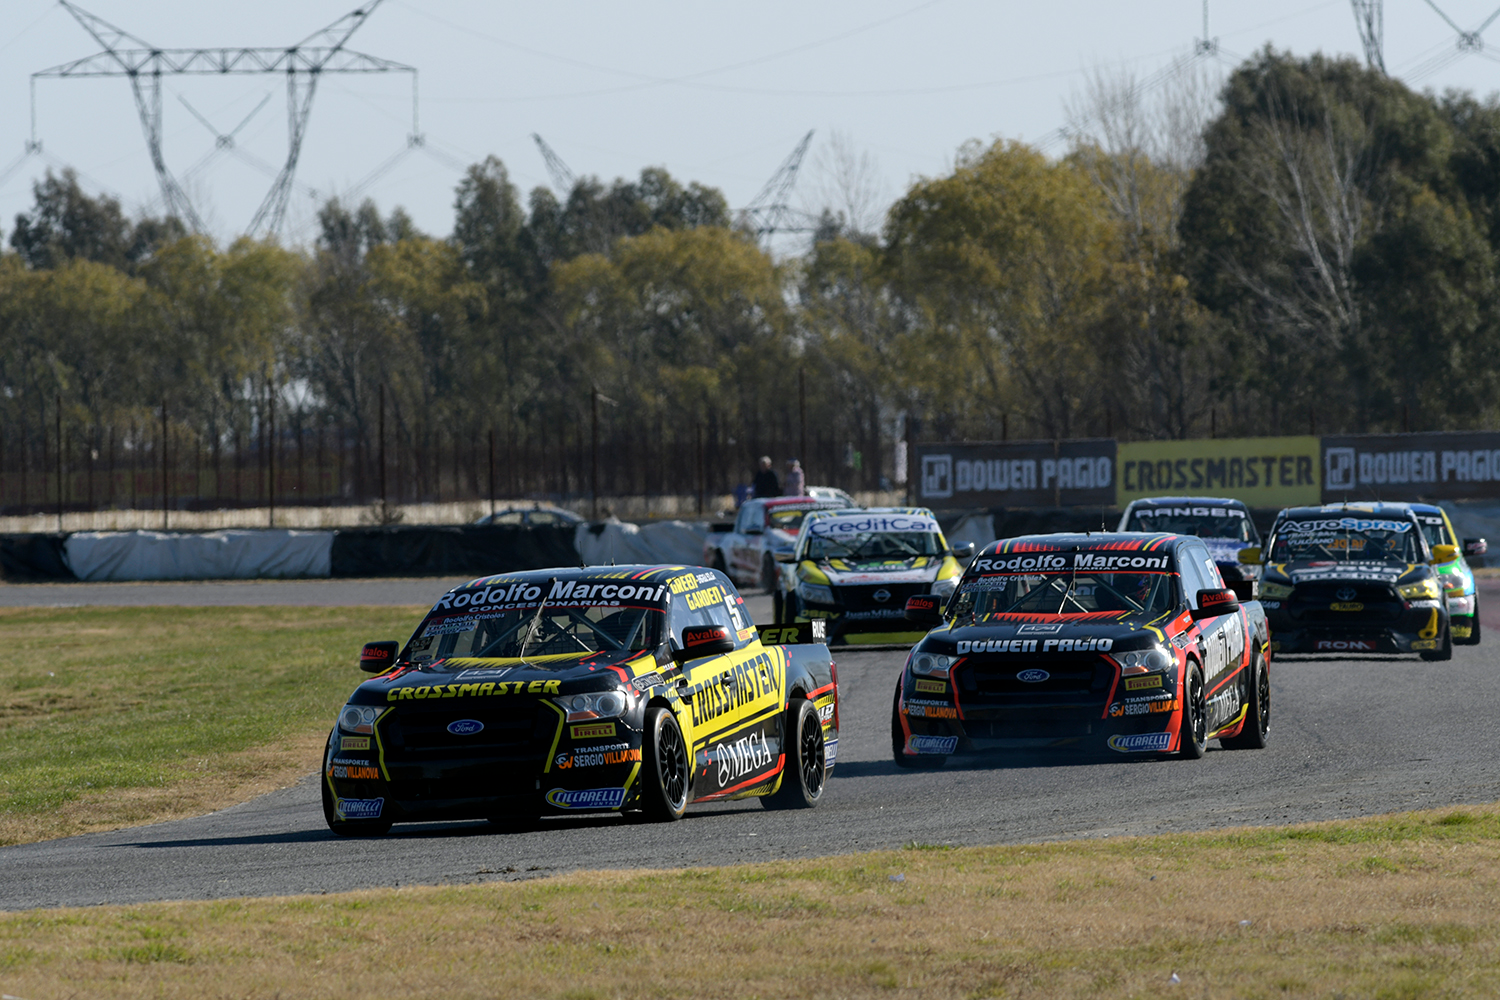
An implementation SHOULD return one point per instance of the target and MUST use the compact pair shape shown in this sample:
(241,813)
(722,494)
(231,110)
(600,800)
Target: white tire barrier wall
(218,555)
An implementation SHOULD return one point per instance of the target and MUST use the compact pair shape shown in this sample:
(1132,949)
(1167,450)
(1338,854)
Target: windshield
(1434,530)
(564,628)
(1346,539)
(1205,522)
(874,545)
(788,520)
(1064,593)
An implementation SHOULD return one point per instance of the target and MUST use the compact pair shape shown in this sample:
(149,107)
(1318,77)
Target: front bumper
(1080,707)
(532,761)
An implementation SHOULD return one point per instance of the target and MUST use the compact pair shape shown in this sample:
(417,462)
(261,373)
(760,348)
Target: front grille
(1069,679)
(1313,602)
(862,598)
(518,729)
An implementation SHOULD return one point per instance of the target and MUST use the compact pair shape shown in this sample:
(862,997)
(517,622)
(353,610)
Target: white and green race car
(856,568)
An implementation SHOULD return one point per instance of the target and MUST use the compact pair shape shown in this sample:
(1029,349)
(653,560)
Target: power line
(303,64)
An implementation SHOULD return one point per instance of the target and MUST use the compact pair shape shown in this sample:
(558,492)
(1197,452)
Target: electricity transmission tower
(321,53)
(562,175)
(1369,18)
(768,212)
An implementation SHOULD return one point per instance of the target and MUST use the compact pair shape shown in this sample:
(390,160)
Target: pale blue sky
(715,92)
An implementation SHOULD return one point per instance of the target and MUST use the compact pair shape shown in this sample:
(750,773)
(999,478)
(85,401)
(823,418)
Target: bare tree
(849,184)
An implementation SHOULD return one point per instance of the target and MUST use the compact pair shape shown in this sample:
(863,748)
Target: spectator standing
(766,483)
(796,480)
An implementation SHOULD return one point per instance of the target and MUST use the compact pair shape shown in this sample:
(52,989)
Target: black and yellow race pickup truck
(635,689)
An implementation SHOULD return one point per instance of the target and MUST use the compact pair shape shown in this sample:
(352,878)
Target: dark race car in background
(1102,642)
(1224,525)
(1354,578)
(1455,576)
(628,688)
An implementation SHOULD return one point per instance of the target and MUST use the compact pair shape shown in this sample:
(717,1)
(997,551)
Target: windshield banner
(1017,474)
(1262,472)
(1437,466)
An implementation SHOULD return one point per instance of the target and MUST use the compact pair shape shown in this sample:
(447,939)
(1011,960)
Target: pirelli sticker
(932,687)
(1142,683)
(593,731)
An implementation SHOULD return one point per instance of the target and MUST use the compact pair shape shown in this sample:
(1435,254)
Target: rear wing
(797,633)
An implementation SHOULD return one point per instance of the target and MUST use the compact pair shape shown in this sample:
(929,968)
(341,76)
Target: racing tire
(778,608)
(1443,652)
(665,767)
(349,827)
(1252,735)
(718,563)
(1192,736)
(768,575)
(804,773)
(919,762)
(1473,639)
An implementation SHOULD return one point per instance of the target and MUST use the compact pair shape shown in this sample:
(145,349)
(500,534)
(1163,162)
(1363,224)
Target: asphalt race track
(1350,737)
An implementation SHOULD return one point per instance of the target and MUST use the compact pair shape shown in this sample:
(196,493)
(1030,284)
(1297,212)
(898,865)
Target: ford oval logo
(465,727)
(1032,676)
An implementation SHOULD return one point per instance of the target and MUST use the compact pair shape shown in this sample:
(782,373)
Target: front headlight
(598,705)
(1275,591)
(816,593)
(1142,661)
(1425,590)
(945,588)
(932,664)
(358,719)
(1453,584)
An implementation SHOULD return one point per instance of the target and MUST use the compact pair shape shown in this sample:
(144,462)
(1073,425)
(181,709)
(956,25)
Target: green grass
(99,702)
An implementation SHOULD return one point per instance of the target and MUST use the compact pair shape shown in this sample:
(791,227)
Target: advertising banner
(1437,466)
(1263,472)
(1017,474)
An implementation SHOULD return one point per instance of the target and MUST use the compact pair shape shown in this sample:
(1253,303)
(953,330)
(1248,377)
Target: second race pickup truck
(762,530)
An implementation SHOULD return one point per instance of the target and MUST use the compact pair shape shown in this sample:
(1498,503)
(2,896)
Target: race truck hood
(850,572)
(472,677)
(1032,635)
(1360,571)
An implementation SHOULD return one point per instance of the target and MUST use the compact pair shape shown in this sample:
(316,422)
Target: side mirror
(378,657)
(924,609)
(1475,546)
(1251,556)
(703,640)
(964,551)
(1444,554)
(1213,603)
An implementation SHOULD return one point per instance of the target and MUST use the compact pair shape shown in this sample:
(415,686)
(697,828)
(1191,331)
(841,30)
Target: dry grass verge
(113,717)
(1388,908)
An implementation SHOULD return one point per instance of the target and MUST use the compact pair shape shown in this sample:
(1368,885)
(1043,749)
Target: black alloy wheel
(1257,725)
(805,770)
(347,827)
(1192,740)
(920,762)
(768,574)
(664,776)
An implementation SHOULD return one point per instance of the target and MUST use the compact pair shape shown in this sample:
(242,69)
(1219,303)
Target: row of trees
(1315,245)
